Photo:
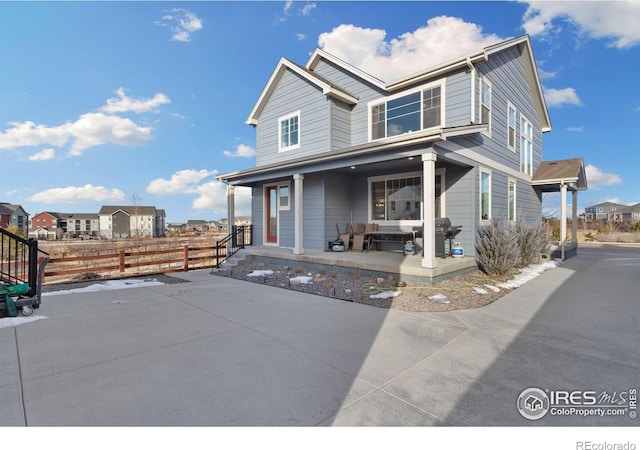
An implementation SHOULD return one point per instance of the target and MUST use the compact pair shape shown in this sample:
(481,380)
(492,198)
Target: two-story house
(131,221)
(604,211)
(461,140)
(14,215)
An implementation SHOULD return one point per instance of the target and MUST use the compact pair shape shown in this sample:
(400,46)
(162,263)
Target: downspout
(472,70)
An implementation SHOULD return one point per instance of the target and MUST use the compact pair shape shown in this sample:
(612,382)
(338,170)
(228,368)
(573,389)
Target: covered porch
(563,176)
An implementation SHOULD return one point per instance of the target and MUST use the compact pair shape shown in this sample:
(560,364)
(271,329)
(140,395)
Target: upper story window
(485,102)
(511,127)
(289,132)
(415,111)
(526,146)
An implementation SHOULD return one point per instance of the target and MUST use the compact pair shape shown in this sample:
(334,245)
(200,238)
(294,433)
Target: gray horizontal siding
(292,94)
(458,100)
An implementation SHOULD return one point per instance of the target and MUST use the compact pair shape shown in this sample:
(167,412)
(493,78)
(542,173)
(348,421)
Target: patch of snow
(439,298)
(386,294)
(15,321)
(301,279)
(108,286)
(529,273)
(493,288)
(481,291)
(260,273)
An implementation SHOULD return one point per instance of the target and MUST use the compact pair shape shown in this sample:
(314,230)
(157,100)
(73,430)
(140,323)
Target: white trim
(441,83)
(481,171)
(515,199)
(282,119)
(530,161)
(485,80)
(394,176)
(286,184)
(515,127)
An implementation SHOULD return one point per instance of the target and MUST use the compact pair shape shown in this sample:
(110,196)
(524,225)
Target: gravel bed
(459,291)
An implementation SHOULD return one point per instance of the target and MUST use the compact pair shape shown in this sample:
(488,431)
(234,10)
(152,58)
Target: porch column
(231,207)
(297,189)
(429,213)
(574,217)
(563,218)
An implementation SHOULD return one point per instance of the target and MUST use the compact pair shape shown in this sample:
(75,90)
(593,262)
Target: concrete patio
(407,267)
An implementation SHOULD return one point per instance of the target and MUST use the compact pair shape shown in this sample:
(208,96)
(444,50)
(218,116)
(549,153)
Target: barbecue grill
(445,232)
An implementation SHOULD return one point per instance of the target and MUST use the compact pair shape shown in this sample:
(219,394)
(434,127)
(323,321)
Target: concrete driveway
(221,352)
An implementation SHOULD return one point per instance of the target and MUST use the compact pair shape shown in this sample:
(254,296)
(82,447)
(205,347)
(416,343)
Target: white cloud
(82,194)
(559,97)
(125,104)
(89,130)
(213,195)
(182,23)
(575,129)
(243,151)
(94,129)
(45,154)
(616,21)
(287,6)
(442,39)
(301,36)
(306,9)
(596,178)
(27,134)
(182,182)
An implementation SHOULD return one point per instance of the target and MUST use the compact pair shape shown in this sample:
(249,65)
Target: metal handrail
(19,260)
(240,236)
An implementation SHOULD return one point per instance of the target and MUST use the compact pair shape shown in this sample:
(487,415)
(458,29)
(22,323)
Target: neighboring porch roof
(303,164)
(550,175)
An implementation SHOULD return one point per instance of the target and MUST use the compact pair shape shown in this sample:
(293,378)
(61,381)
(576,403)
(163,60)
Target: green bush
(502,245)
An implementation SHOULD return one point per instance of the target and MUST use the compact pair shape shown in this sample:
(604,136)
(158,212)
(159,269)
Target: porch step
(234,261)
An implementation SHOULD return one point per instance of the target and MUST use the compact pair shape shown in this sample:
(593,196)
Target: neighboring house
(131,221)
(197,225)
(84,226)
(49,225)
(334,145)
(630,213)
(604,211)
(14,215)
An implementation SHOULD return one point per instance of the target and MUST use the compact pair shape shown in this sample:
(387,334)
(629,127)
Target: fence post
(217,254)
(186,258)
(121,261)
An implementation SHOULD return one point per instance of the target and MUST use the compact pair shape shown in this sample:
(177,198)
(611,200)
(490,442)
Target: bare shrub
(532,241)
(497,247)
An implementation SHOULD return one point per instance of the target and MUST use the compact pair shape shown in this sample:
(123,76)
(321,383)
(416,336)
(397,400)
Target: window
(512,200)
(396,197)
(526,146)
(416,111)
(289,132)
(485,103)
(511,127)
(485,195)
(283,194)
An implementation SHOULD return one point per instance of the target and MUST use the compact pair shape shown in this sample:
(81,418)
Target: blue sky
(123,102)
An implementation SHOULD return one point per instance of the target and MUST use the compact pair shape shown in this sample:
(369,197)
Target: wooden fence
(127,262)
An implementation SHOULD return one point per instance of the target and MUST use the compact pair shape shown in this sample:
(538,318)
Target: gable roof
(327,87)
(524,46)
(607,204)
(107,210)
(551,174)
(630,209)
